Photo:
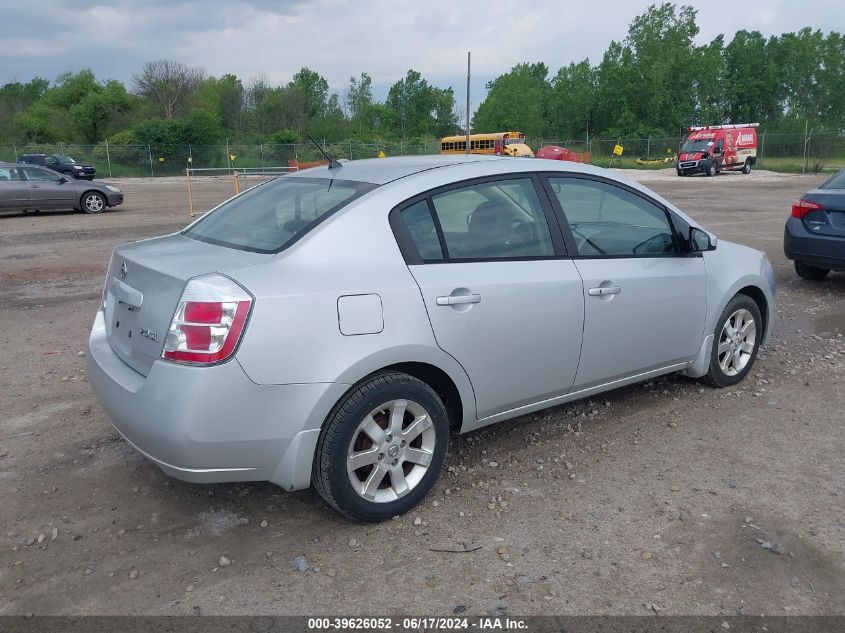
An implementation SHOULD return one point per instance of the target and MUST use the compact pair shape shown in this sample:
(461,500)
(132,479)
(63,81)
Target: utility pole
(468,101)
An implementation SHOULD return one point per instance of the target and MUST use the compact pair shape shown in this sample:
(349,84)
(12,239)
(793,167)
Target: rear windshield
(270,217)
(837,182)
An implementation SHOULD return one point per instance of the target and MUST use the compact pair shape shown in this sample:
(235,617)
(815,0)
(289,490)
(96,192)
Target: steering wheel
(575,231)
(523,233)
(654,244)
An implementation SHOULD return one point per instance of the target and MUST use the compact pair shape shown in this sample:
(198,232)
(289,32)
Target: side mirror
(63,180)
(700,241)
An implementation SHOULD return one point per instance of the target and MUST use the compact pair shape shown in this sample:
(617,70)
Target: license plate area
(122,322)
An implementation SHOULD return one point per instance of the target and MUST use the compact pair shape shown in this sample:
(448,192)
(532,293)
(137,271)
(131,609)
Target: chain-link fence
(807,153)
(798,153)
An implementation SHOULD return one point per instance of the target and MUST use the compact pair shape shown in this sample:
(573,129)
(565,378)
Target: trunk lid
(830,220)
(143,286)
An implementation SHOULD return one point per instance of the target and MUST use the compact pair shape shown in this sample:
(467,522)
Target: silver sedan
(333,326)
(25,187)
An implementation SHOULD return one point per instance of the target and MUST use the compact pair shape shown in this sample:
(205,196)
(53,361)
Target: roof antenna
(333,163)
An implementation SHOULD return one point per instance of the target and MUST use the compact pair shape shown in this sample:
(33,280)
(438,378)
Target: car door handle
(604,290)
(458,300)
(34,186)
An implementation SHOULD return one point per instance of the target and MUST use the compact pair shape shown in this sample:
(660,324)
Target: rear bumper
(801,245)
(211,424)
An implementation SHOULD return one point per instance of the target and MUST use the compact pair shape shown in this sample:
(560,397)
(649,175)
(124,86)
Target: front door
(500,298)
(47,191)
(644,299)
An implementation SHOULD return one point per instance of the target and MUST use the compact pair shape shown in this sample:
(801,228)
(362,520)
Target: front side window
(608,221)
(39,175)
(493,220)
(269,217)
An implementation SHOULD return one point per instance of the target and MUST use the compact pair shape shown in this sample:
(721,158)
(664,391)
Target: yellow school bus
(496,143)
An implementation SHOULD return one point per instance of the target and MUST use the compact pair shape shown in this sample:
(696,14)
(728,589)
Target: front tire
(736,341)
(711,170)
(93,202)
(810,273)
(382,447)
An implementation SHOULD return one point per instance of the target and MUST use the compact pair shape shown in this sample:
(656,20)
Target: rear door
(644,301)
(14,192)
(501,296)
(46,191)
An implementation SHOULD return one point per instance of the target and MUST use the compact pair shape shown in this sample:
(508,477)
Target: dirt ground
(666,497)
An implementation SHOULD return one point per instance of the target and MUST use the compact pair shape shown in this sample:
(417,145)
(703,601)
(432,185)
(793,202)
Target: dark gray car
(24,187)
(814,236)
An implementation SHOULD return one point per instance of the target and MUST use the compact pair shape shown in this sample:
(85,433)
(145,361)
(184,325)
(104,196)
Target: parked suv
(62,164)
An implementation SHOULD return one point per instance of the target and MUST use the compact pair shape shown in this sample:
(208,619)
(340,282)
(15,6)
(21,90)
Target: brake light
(208,322)
(801,208)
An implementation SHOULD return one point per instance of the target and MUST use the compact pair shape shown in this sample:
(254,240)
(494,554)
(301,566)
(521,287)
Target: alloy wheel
(391,451)
(736,342)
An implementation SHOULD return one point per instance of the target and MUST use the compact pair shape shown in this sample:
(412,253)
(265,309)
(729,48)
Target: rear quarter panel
(294,335)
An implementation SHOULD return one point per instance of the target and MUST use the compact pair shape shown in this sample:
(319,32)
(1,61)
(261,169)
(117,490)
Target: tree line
(655,82)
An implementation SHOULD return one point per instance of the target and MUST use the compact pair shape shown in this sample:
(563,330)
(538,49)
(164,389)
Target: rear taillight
(209,321)
(801,208)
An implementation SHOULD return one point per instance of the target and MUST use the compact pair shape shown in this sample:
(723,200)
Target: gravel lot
(666,497)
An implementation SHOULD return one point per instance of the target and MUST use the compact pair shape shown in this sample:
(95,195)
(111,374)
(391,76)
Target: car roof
(380,171)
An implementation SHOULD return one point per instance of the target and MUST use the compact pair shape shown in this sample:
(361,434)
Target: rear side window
(9,173)
(493,220)
(837,182)
(420,225)
(608,221)
(270,217)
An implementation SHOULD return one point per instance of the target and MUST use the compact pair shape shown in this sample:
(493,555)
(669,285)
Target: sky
(273,39)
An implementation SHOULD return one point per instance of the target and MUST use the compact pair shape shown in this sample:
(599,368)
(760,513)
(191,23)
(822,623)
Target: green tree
(359,96)
(750,87)
(661,95)
(517,101)
(572,101)
(99,108)
(224,97)
(305,98)
(16,98)
(708,90)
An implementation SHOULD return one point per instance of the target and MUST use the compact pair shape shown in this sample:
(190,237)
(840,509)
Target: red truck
(713,148)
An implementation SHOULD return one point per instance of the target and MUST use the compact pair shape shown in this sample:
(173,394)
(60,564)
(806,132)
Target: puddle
(829,323)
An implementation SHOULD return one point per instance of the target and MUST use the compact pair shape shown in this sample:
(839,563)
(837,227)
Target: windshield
(269,217)
(66,160)
(514,141)
(837,182)
(696,146)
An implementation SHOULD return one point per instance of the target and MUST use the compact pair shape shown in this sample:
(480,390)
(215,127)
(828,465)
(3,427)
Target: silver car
(333,326)
(24,187)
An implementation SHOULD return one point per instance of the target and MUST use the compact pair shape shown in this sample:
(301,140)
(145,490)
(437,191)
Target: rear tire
(93,202)
(746,168)
(810,273)
(381,448)
(736,340)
